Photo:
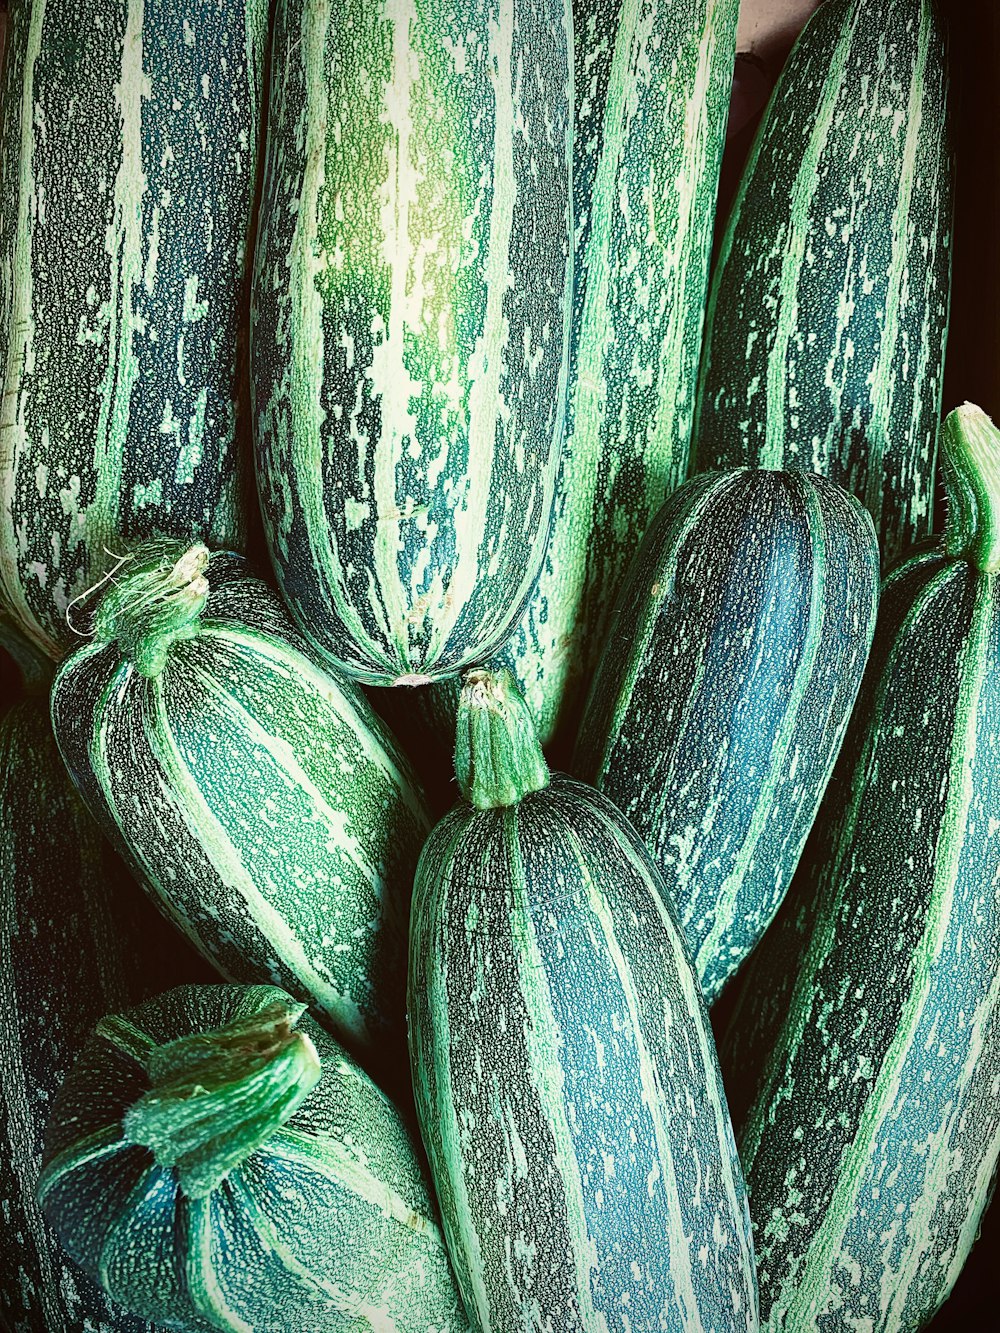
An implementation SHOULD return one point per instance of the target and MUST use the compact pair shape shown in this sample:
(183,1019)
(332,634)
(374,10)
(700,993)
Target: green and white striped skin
(653,79)
(827,318)
(263,804)
(128,162)
(410,326)
(734,658)
(216,1161)
(70,947)
(564,1071)
(869,1022)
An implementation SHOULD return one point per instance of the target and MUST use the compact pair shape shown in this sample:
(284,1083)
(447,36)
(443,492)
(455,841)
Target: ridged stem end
(217,1097)
(158,601)
(970,455)
(498,759)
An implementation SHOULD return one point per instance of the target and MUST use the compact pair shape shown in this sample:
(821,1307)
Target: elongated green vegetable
(411,321)
(564,1072)
(827,319)
(217,1162)
(268,811)
(719,705)
(652,93)
(127,176)
(869,1025)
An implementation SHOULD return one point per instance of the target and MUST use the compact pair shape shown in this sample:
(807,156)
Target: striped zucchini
(127,178)
(869,1024)
(70,946)
(215,1161)
(734,659)
(564,1071)
(265,807)
(827,318)
(652,84)
(411,322)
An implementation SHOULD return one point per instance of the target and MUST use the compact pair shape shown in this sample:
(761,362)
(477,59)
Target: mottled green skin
(868,1029)
(127,176)
(827,319)
(263,804)
(652,94)
(71,945)
(328,1227)
(566,1080)
(735,654)
(411,321)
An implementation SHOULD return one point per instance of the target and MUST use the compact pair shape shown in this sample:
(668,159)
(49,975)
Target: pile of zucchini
(489,634)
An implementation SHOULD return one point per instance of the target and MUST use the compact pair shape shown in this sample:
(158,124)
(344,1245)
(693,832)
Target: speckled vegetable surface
(827,319)
(411,321)
(216,1161)
(564,1071)
(128,161)
(735,655)
(266,808)
(868,1030)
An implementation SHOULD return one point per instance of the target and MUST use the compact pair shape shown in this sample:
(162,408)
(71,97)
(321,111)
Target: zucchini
(262,803)
(735,655)
(652,84)
(127,176)
(216,1161)
(564,1072)
(869,1024)
(71,944)
(828,313)
(410,323)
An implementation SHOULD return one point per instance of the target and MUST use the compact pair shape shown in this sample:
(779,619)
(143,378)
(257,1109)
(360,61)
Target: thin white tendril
(88,592)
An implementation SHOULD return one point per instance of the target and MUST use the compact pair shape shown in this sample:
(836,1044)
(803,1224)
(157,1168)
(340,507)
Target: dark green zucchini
(128,170)
(564,1071)
(266,808)
(868,1028)
(735,654)
(828,313)
(216,1161)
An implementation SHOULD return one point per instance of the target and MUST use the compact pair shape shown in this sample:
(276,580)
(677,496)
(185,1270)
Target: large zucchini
(73,941)
(734,658)
(869,1022)
(127,177)
(564,1071)
(652,95)
(411,321)
(216,1162)
(827,318)
(268,811)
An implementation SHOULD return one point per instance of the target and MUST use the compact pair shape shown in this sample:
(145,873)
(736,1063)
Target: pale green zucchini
(260,800)
(217,1162)
(411,321)
(719,705)
(827,318)
(652,94)
(869,1024)
(564,1071)
(128,164)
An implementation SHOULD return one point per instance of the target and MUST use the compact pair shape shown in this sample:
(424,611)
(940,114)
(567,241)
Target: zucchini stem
(970,454)
(498,759)
(158,602)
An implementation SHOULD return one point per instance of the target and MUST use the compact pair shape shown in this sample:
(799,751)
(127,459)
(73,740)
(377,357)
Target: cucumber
(217,1162)
(128,169)
(718,708)
(868,1027)
(410,324)
(828,313)
(260,800)
(564,1072)
(652,96)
